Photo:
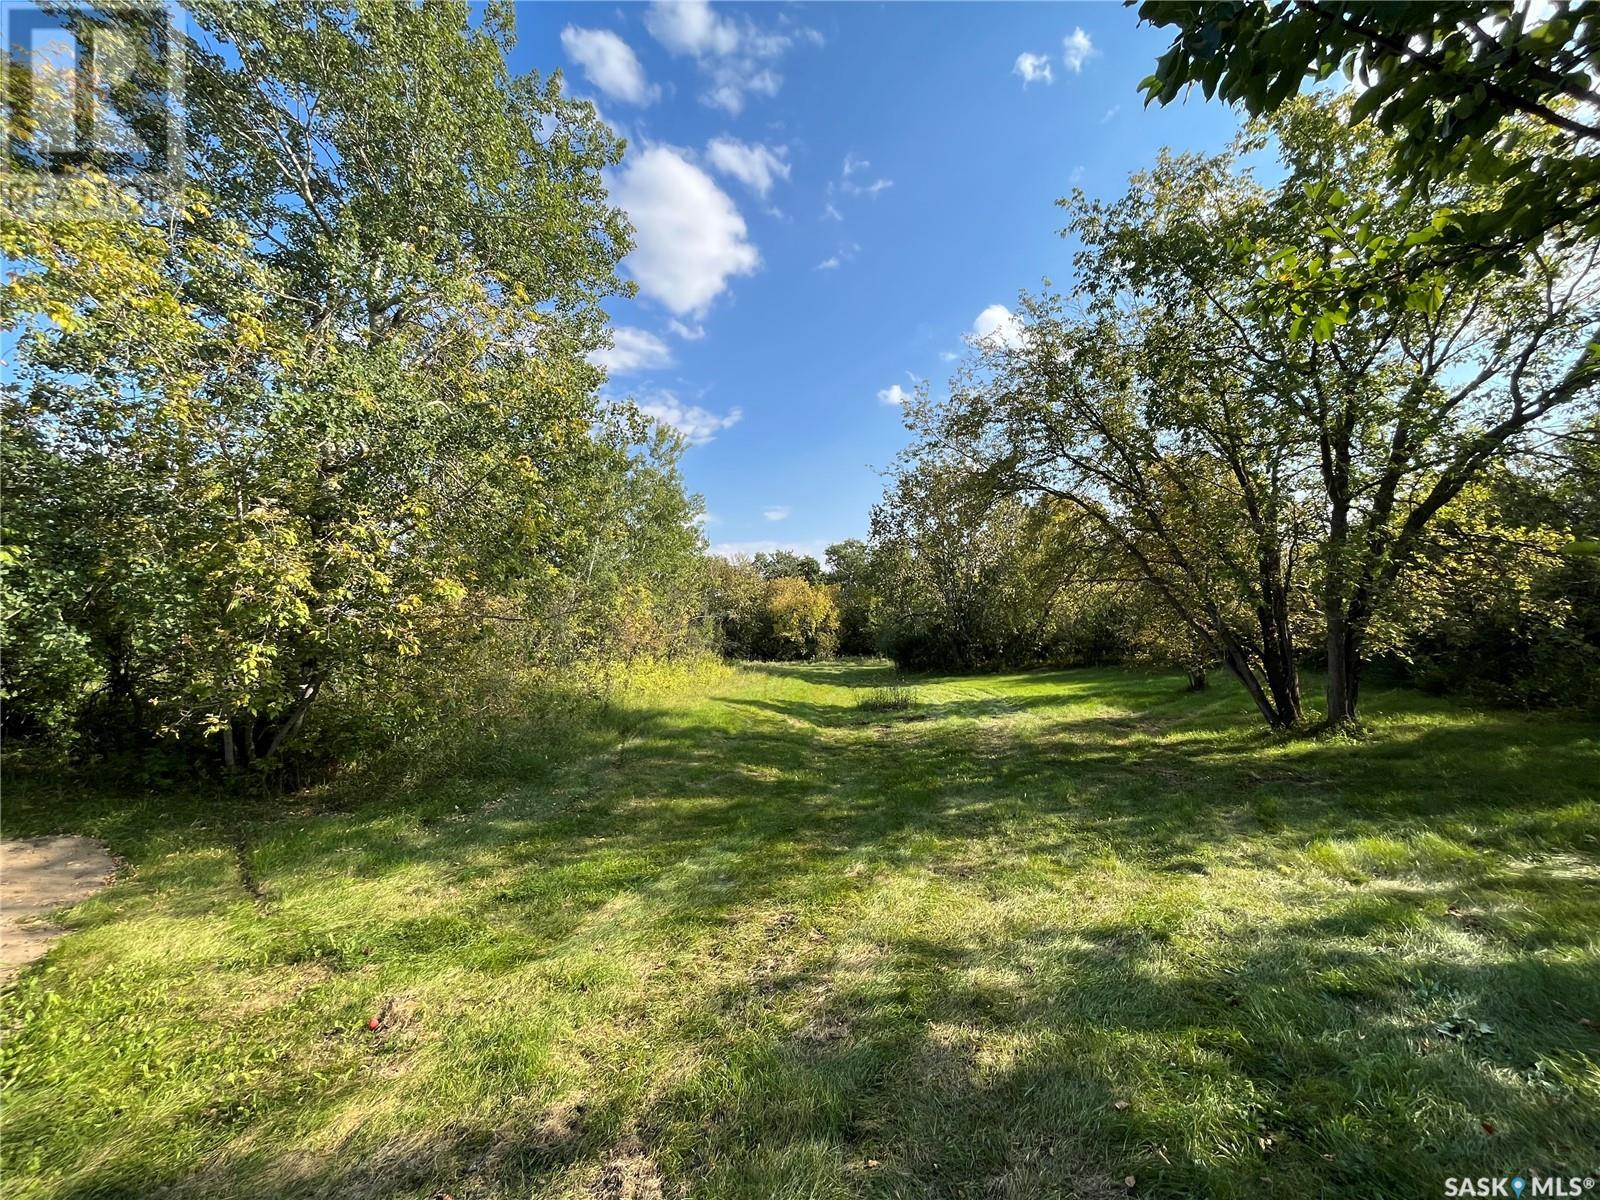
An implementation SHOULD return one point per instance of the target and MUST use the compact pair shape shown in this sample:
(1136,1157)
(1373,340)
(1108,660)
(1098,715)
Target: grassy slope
(1037,934)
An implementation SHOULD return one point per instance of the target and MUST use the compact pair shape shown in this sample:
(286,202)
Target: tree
(1155,636)
(850,573)
(1458,84)
(1085,412)
(1410,406)
(783,617)
(334,411)
(802,619)
(1501,602)
(1241,460)
(633,584)
(783,564)
(971,579)
(735,605)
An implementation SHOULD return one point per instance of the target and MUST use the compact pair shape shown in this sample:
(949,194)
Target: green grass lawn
(738,935)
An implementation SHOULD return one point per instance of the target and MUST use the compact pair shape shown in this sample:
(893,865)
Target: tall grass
(894,697)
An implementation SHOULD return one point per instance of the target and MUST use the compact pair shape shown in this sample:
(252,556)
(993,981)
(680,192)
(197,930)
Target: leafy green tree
(334,411)
(1410,406)
(1498,603)
(852,576)
(632,587)
(781,617)
(1154,636)
(773,606)
(783,564)
(802,619)
(972,579)
(1245,471)
(735,599)
(1445,79)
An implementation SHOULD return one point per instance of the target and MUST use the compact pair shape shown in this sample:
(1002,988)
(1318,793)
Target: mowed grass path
(736,937)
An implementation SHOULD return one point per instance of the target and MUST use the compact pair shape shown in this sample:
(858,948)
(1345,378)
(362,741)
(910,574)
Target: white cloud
(1111,112)
(734,57)
(851,187)
(948,355)
(752,164)
(632,349)
(1034,68)
(778,512)
(830,213)
(690,27)
(731,82)
(689,333)
(609,63)
(689,238)
(812,37)
(843,255)
(869,189)
(894,394)
(997,325)
(815,550)
(1077,49)
(696,424)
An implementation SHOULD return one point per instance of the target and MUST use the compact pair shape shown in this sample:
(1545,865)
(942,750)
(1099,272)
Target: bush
(786,618)
(802,619)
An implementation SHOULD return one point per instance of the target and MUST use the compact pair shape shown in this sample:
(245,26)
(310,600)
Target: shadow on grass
(1251,1055)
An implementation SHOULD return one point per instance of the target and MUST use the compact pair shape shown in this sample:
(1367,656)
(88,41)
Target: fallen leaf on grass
(1464,1028)
(1121,1106)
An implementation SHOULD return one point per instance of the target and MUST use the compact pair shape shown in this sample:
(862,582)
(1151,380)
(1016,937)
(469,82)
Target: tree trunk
(290,725)
(1283,678)
(1241,670)
(1344,668)
(1277,650)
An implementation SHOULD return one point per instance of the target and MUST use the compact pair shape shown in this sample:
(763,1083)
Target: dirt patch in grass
(38,876)
(631,1174)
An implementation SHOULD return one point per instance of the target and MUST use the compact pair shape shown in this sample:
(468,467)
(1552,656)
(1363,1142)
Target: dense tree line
(1344,419)
(1158,468)
(1285,482)
(289,452)
(773,606)
(283,451)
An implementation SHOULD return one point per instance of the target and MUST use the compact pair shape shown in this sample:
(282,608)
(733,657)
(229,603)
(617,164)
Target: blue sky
(828,198)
